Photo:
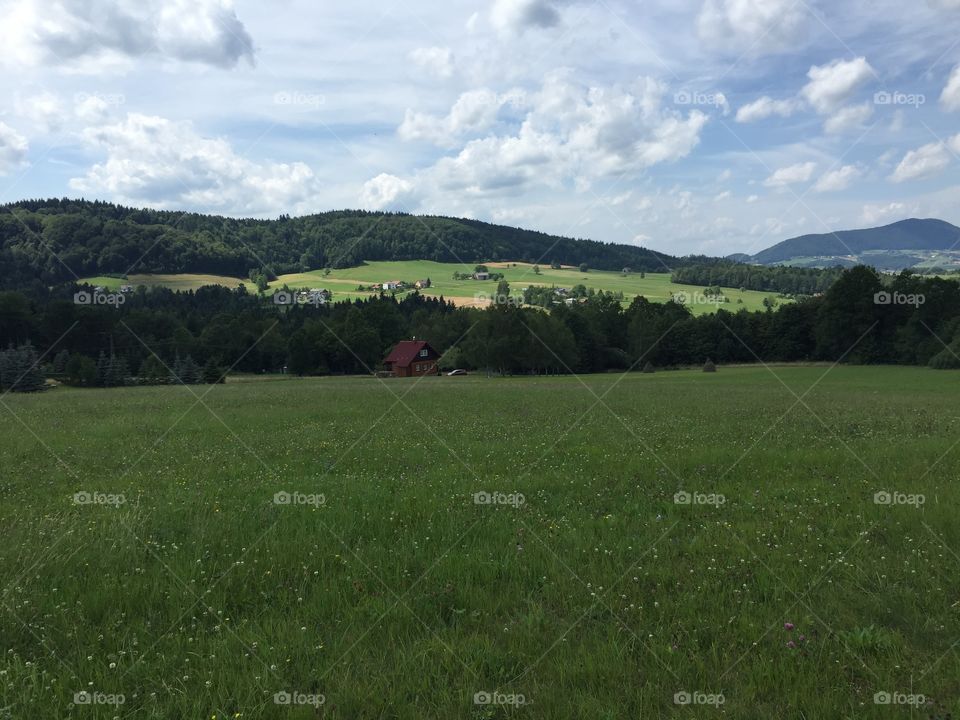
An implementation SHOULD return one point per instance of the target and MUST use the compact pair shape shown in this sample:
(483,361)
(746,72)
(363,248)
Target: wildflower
(788,626)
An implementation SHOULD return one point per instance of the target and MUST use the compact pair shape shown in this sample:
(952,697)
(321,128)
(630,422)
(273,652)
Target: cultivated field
(378,587)
(656,287)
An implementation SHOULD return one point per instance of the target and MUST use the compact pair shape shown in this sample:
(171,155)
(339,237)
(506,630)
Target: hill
(901,245)
(54,241)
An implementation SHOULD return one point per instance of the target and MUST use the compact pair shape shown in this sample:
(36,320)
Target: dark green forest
(786,280)
(158,335)
(44,242)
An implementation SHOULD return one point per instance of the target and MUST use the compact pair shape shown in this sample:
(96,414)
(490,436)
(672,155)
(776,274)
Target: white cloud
(754,26)
(519,15)
(838,179)
(43,109)
(926,161)
(154,161)
(765,107)
(792,174)
(205,31)
(388,192)
(720,197)
(474,112)
(831,85)
(437,61)
(569,134)
(848,118)
(950,97)
(13,149)
(752,199)
(876,214)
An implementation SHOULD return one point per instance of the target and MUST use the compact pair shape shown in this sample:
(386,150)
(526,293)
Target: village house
(412,358)
(422,284)
(481,276)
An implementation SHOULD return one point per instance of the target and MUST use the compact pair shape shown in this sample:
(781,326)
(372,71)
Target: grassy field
(656,287)
(182,581)
(185,281)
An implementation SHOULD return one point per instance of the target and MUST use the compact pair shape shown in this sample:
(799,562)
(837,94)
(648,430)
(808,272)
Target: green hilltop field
(656,287)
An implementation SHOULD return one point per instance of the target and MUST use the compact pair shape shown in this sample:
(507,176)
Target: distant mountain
(901,245)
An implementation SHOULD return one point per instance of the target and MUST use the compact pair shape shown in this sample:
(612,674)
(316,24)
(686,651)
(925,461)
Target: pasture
(757,543)
(656,287)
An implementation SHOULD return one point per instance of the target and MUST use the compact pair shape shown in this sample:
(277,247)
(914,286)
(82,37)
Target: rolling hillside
(53,241)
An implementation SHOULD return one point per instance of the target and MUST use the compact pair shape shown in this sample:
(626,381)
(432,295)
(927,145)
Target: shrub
(709,367)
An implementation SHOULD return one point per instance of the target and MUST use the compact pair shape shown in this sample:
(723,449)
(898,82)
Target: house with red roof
(412,358)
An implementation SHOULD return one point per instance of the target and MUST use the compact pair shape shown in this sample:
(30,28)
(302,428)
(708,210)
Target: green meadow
(755,543)
(656,287)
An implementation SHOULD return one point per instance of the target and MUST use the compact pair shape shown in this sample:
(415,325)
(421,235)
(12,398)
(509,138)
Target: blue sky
(689,126)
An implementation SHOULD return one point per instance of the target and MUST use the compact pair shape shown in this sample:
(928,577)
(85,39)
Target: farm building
(422,284)
(412,358)
(481,276)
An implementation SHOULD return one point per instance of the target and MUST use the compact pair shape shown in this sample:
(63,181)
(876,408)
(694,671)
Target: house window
(424,353)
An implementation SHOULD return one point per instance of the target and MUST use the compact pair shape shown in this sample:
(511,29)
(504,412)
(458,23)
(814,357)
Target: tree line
(44,242)
(159,335)
(778,279)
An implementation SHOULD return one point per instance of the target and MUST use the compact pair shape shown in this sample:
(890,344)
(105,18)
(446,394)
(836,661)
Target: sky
(686,126)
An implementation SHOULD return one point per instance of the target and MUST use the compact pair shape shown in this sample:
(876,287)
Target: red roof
(406,351)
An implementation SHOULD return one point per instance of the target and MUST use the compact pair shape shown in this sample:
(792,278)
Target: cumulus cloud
(765,107)
(925,161)
(388,192)
(13,149)
(474,112)
(43,109)
(950,97)
(848,118)
(157,162)
(437,61)
(569,133)
(831,85)
(205,31)
(517,16)
(756,26)
(876,214)
(790,175)
(837,180)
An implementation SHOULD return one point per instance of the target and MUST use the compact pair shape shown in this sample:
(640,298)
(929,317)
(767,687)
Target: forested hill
(49,240)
